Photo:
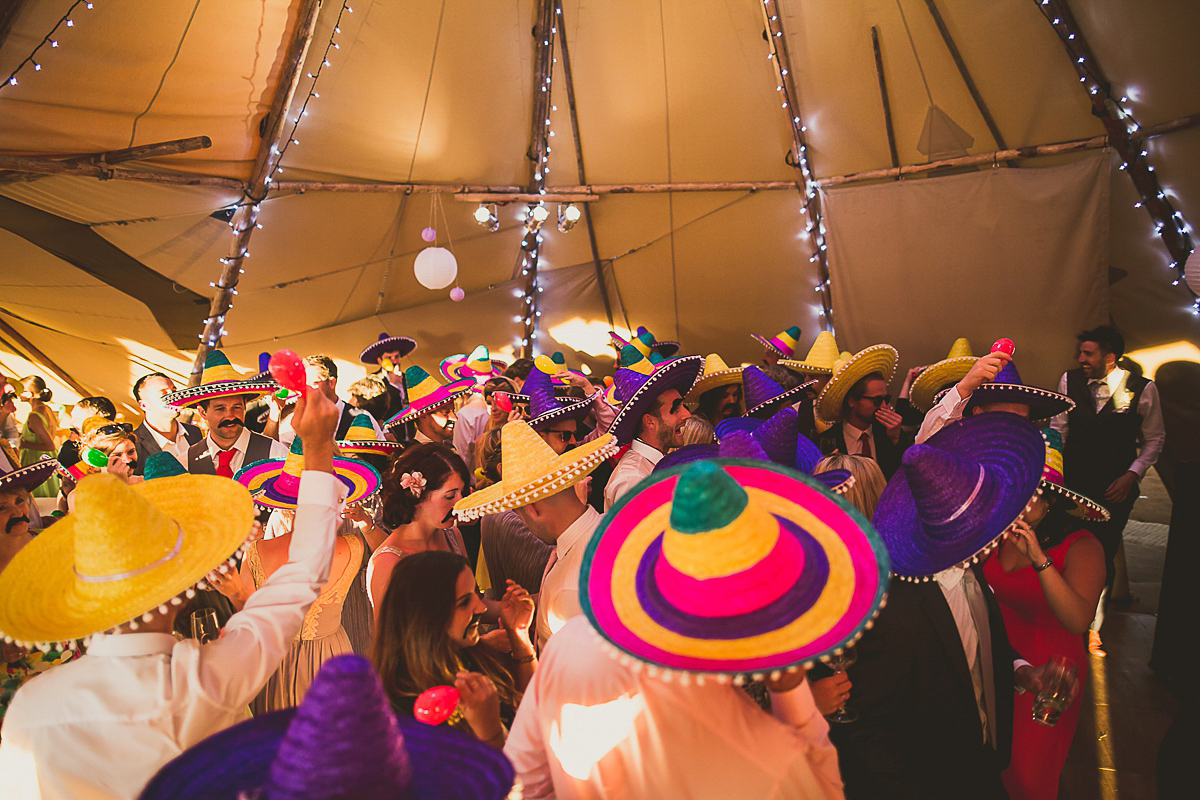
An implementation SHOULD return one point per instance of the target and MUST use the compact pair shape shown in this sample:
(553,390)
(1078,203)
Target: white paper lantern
(435,268)
(1191,271)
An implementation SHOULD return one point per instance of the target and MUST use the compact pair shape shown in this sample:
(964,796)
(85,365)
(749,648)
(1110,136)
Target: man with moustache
(161,430)
(718,393)
(649,419)
(386,353)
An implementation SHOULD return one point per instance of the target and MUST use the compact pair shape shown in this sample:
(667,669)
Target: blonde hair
(696,430)
(104,442)
(868,480)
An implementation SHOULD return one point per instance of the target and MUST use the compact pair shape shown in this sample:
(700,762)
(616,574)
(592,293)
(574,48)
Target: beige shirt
(590,727)
(559,597)
(99,727)
(637,463)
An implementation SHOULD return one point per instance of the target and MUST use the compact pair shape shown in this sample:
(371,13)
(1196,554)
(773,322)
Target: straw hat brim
(458,369)
(767,343)
(876,358)
(715,380)
(358,477)
(30,477)
(844,582)
(431,402)
(558,474)
(1084,506)
(186,398)
(381,447)
(375,350)
(1043,403)
(787,397)
(805,367)
(44,601)
(577,409)
(678,373)
(447,764)
(931,379)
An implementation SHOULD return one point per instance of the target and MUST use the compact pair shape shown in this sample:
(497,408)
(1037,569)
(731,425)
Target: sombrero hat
(955,496)
(533,471)
(555,365)
(478,366)
(644,341)
(343,740)
(426,394)
(951,369)
(876,358)
(820,359)
(764,395)
(732,566)
(275,482)
(783,343)
(30,477)
(779,439)
(219,379)
(637,391)
(376,349)
(361,440)
(715,375)
(1007,387)
(545,407)
(1052,480)
(125,551)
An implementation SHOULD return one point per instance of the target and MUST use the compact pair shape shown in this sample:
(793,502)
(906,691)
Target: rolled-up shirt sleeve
(1154,432)
(945,411)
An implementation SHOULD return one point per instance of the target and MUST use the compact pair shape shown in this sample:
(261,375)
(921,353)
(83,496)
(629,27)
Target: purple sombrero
(637,391)
(955,496)
(426,395)
(343,740)
(1007,387)
(546,408)
(783,343)
(219,379)
(30,477)
(780,440)
(275,482)
(764,396)
(478,365)
(385,343)
(662,582)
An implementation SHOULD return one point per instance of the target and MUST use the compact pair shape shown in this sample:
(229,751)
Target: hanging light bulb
(488,216)
(567,217)
(538,214)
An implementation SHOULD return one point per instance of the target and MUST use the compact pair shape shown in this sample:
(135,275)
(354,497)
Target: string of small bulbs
(49,40)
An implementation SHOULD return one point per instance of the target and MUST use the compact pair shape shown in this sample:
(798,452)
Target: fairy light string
(48,41)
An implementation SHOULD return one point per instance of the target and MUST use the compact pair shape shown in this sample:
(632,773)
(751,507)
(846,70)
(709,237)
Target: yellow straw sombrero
(533,471)
(933,378)
(124,552)
(716,374)
(219,379)
(876,358)
(820,359)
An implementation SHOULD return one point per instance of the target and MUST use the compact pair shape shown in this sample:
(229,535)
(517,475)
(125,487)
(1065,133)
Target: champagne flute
(204,625)
(1058,681)
(839,662)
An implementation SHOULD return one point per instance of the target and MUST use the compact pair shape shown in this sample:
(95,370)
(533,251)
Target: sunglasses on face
(878,400)
(565,436)
(115,427)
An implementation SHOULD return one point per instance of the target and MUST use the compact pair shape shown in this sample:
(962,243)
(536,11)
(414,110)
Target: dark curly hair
(435,462)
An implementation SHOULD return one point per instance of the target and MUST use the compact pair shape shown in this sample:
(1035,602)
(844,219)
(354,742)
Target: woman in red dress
(1047,577)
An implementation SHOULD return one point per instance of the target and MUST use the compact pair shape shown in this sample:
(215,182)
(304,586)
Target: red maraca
(288,371)
(435,706)
(502,401)
(1004,346)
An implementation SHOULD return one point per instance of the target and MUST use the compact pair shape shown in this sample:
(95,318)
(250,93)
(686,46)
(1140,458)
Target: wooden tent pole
(966,75)
(37,355)
(883,93)
(805,176)
(587,210)
(94,164)
(246,217)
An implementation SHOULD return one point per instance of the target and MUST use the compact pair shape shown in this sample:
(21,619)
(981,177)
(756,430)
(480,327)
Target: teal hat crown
(706,499)
(162,465)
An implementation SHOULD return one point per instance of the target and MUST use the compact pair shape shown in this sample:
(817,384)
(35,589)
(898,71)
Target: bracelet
(526,660)
(1043,567)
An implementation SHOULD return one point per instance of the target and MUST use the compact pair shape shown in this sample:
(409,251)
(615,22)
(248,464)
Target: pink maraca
(435,706)
(1004,346)
(288,371)
(502,402)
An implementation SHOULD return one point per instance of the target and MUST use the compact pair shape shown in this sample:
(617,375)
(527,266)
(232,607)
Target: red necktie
(224,459)
(864,444)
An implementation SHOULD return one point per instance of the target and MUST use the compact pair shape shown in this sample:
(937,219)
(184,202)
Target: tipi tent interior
(716,150)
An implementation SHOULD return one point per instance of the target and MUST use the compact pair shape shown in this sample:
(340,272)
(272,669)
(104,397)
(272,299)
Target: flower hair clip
(414,482)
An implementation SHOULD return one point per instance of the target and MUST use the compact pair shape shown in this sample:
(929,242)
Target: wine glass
(839,662)
(204,625)
(1058,682)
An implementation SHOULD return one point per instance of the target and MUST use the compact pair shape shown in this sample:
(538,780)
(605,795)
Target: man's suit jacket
(887,455)
(147,445)
(918,733)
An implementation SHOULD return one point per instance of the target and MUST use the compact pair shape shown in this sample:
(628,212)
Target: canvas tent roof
(668,91)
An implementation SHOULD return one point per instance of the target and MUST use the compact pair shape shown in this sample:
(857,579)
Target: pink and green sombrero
(275,482)
(219,379)
(360,440)
(478,366)
(783,343)
(426,394)
(732,567)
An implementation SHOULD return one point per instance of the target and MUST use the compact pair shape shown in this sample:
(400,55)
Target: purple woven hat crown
(955,496)
(343,741)
(1007,387)
(637,391)
(764,395)
(544,407)
(372,353)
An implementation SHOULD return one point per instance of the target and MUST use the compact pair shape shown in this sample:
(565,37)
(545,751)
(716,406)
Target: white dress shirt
(471,420)
(178,448)
(1154,432)
(559,597)
(637,463)
(948,409)
(853,439)
(278,450)
(101,726)
(590,727)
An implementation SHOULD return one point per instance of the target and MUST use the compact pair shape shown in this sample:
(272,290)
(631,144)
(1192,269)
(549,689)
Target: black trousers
(1109,533)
